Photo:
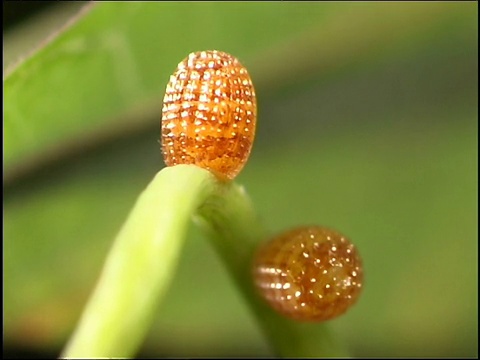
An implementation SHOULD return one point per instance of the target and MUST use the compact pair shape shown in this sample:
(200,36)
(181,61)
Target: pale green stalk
(140,265)
(144,256)
(229,217)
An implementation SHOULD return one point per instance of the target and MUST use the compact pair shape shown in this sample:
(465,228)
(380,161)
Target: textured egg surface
(309,273)
(209,114)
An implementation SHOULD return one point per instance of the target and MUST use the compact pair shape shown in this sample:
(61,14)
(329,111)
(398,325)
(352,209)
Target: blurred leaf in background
(368,122)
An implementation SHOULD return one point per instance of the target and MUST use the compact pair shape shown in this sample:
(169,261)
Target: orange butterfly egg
(309,273)
(209,114)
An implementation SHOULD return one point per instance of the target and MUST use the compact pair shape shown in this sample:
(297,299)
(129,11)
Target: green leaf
(112,58)
(118,56)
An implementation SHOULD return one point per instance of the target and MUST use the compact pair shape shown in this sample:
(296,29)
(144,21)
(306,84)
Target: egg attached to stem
(209,114)
(309,273)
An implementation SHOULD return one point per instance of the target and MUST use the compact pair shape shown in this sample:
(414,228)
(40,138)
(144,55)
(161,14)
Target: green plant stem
(142,262)
(229,218)
(140,265)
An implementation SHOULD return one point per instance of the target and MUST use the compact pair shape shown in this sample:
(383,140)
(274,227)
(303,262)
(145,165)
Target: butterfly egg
(309,273)
(209,114)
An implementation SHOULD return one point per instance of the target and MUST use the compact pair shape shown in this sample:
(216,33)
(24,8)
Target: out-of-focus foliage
(368,121)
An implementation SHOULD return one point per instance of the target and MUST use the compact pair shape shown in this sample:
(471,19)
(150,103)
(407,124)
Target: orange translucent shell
(209,114)
(309,273)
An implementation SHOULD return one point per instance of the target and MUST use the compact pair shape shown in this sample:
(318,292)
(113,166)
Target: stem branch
(143,258)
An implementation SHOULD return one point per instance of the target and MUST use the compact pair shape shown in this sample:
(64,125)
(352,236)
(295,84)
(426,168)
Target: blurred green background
(367,123)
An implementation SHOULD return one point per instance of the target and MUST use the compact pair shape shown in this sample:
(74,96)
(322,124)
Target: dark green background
(367,123)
